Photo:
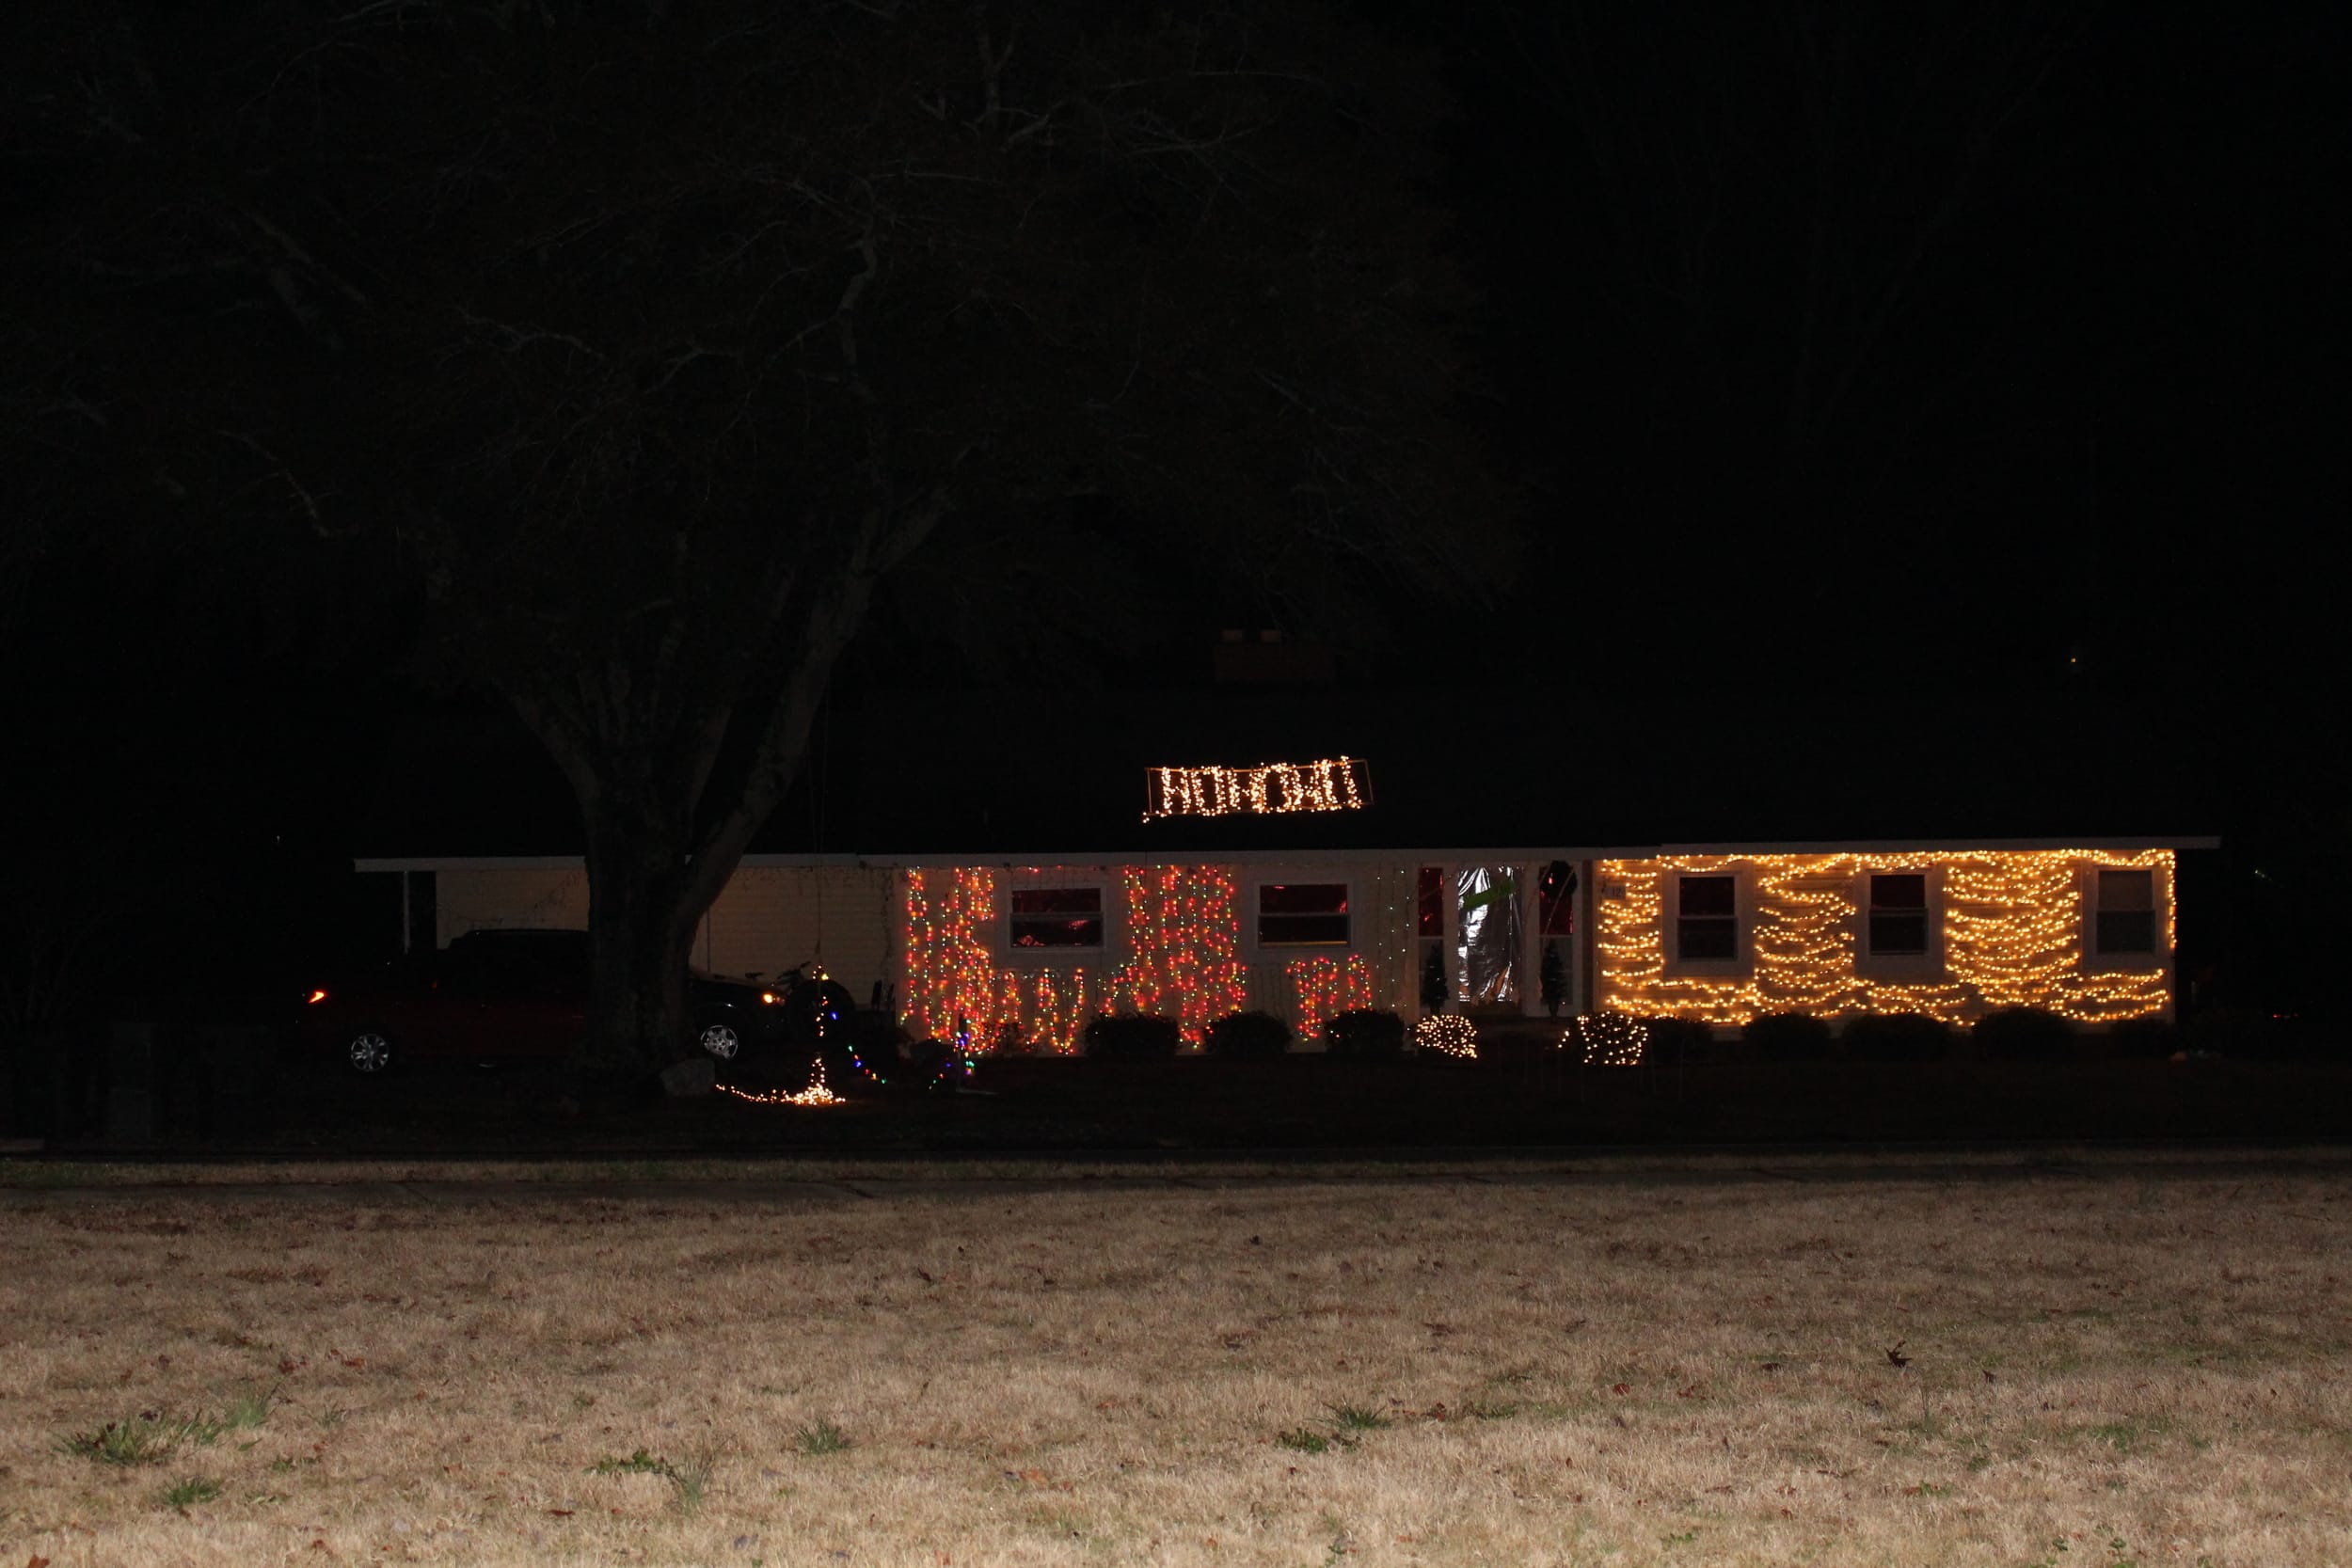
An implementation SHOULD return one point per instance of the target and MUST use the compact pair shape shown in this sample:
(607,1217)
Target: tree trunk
(642,913)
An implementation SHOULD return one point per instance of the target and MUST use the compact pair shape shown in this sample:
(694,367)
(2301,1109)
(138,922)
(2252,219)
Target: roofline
(1454,854)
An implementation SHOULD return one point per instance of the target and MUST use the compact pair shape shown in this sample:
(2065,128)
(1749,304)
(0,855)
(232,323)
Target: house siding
(494,899)
(769,919)
(2014,933)
(1180,946)
(2012,928)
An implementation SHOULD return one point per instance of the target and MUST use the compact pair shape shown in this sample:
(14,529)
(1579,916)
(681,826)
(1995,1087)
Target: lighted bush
(1248,1037)
(1132,1038)
(2025,1035)
(1897,1038)
(1786,1037)
(1446,1035)
(1364,1035)
(1606,1040)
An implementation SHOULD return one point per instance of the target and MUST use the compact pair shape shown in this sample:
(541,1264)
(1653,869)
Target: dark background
(2050,561)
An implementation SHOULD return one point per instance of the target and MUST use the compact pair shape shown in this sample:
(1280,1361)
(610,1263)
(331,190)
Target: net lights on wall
(2012,935)
(1181,931)
(1449,1034)
(1328,784)
(1327,987)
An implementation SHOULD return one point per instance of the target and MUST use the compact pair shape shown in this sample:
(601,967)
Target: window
(1302,915)
(1429,901)
(1707,920)
(1055,919)
(2127,912)
(1898,914)
(1556,910)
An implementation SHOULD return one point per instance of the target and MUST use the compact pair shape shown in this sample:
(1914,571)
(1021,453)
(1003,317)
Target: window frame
(1741,964)
(2157,954)
(1255,950)
(1871,964)
(1106,887)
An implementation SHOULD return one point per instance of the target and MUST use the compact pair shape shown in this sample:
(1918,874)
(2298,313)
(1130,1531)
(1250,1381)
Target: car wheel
(720,1042)
(369,1053)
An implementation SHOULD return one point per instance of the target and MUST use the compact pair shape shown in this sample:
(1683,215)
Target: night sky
(1930,424)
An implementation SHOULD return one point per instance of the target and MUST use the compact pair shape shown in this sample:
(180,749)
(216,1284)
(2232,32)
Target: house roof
(1024,778)
(1426,855)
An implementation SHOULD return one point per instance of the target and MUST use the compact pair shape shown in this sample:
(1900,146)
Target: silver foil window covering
(1486,950)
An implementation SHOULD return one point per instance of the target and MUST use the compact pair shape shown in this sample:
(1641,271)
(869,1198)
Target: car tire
(720,1041)
(369,1053)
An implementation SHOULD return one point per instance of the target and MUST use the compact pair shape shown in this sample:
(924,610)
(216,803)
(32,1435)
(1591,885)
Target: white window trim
(1113,951)
(2159,956)
(1741,964)
(1255,952)
(1900,966)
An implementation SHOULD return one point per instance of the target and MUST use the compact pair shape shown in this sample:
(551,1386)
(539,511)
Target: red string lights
(1181,932)
(1328,986)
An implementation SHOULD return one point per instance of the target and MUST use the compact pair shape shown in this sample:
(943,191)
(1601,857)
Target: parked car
(510,995)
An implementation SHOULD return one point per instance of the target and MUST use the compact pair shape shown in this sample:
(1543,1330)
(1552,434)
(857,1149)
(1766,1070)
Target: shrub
(2286,1034)
(2142,1038)
(1551,978)
(1248,1037)
(1899,1038)
(1132,1038)
(1786,1037)
(874,1033)
(1364,1035)
(1677,1040)
(2025,1035)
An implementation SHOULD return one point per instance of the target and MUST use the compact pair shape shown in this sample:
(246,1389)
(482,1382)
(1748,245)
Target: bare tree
(650,341)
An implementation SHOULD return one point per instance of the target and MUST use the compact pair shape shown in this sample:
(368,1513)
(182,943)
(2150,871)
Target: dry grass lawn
(2077,1374)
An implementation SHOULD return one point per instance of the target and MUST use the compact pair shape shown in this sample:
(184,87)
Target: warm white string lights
(2013,930)
(1449,1034)
(1606,1040)
(1327,784)
(818,1093)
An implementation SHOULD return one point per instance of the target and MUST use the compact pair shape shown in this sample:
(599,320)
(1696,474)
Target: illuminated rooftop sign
(1330,783)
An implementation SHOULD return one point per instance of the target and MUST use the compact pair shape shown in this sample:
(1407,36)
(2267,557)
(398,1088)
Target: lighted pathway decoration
(817,1092)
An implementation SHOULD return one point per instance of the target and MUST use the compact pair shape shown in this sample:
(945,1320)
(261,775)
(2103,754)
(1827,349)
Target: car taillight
(316,996)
